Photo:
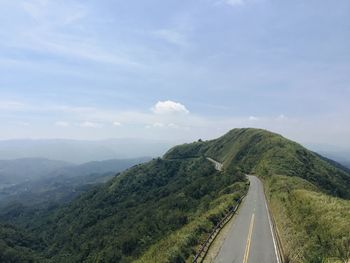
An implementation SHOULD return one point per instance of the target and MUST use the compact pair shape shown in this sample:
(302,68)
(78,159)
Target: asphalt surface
(250,238)
(218,166)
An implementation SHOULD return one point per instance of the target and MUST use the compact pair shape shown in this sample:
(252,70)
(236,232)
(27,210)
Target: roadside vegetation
(314,227)
(183,244)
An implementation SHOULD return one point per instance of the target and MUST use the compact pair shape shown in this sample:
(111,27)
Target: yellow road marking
(247,247)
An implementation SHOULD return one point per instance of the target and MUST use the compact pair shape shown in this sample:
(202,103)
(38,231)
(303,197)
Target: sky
(175,69)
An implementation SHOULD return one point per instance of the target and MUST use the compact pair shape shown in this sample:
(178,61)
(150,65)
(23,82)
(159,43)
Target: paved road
(250,239)
(218,166)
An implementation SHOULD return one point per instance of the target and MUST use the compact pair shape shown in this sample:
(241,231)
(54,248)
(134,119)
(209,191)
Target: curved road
(250,239)
(218,166)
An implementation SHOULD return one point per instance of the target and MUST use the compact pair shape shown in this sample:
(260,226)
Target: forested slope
(121,220)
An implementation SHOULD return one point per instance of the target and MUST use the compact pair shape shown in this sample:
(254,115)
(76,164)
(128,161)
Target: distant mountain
(347,164)
(65,183)
(80,151)
(21,170)
(339,154)
(160,211)
(99,167)
(341,166)
(341,157)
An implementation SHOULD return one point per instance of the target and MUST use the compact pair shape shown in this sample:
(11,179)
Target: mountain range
(25,169)
(47,181)
(82,151)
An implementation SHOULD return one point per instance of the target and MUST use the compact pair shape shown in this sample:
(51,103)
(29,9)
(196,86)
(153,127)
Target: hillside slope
(121,220)
(161,210)
(18,246)
(313,225)
(266,153)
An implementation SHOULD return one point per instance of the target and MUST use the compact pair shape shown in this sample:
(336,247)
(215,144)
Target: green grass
(314,227)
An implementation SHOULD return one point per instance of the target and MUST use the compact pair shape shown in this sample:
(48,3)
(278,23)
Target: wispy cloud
(90,124)
(117,124)
(62,124)
(11,105)
(59,30)
(171,36)
(54,13)
(22,123)
(234,2)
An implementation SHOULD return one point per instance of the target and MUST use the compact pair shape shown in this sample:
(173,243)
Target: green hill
(264,153)
(161,211)
(120,221)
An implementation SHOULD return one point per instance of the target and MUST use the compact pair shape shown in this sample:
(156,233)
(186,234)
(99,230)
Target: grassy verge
(182,245)
(314,227)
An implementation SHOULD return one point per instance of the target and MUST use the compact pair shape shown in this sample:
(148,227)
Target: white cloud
(117,124)
(253,118)
(155,125)
(163,125)
(89,124)
(169,107)
(62,124)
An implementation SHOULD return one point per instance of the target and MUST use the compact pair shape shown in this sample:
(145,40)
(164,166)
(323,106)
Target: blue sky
(175,69)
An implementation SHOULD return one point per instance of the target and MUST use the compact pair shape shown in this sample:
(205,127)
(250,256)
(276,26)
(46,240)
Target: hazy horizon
(175,71)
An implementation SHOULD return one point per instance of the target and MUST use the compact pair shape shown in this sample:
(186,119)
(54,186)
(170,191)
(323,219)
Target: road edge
(200,256)
(274,231)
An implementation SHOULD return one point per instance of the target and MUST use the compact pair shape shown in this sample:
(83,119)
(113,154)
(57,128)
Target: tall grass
(314,227)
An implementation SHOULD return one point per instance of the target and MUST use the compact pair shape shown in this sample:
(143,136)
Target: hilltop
(265,153)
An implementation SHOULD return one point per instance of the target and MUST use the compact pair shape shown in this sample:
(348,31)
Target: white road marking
(273,236)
